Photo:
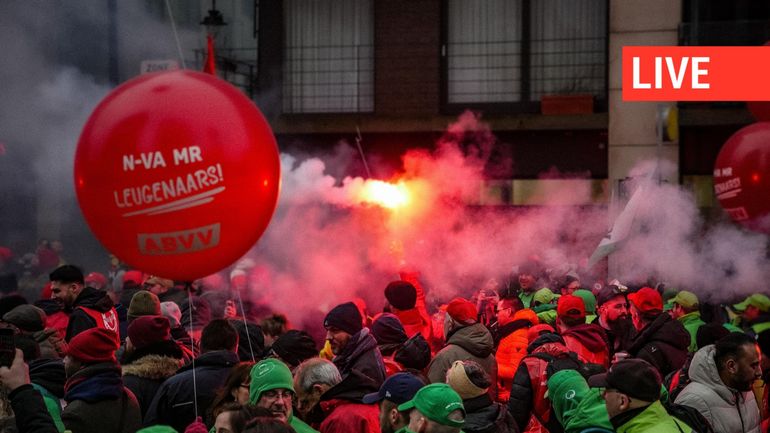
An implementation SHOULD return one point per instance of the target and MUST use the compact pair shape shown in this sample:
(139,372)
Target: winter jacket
(55,317)
(89,304)
(30,411)
(52,405)
(651,419)
(97,401)
(482,415)
(619,336)
(691,322)
(51,344)
(728,410)
(663,343)
(173,402)
(575,405)
(473,343)
(145,369)
(342,409)
(48,377)
(511,349)
(361,353)
(590,343)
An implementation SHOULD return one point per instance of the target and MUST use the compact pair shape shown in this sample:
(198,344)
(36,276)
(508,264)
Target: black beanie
(294,347)
(344,317)
(387,329)
(401,294)
(709,334)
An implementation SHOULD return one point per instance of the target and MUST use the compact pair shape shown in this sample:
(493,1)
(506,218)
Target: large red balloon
(177,173)
(742,176)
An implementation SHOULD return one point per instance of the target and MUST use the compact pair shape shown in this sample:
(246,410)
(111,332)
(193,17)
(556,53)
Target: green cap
(686,299)
(544,296)
(758,300)
(589,300)
(436,402)
(269,374)
(156,429)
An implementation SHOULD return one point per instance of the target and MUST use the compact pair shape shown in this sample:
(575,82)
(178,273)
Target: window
(502,51)
(329,56)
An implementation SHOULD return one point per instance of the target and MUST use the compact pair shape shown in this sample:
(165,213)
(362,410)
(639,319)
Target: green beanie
(269,374)
(157,429)
(589,300)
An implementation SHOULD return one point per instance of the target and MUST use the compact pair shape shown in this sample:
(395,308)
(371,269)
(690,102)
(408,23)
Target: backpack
(567,361)
(690,416)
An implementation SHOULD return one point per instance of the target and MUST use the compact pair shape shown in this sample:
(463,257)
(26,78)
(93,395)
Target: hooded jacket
(342,409)
(511,349)
(416,319)
(590,343)
(726,409)
(691,322)
(95,302)
(361,353)
(473,343)
(663,343)
(30,411)
(145,369)
(575,405)
(651,419)
(48,377)
(482,415)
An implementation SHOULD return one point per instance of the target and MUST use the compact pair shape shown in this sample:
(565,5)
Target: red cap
(571,306)
(462,311)
(646,300)
(134,275)
(97,278)
(93,345)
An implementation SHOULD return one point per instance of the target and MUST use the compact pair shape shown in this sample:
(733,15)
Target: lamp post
(214,20)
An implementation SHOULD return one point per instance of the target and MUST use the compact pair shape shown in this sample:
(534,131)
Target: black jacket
(362,354)
(482,415)
(173,403)
(353,388)
(48,373)
(663,343)
(145,369)
(31,413)
(79,319)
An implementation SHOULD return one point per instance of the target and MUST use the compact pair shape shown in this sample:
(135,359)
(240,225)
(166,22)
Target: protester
(234,392)
(251,343)
(685,308)
(48,378)
(396,390)
(588,340)
(31,321)
(544,304)
(272,388)
(589,300)
(435,407)
(273,327)
(390,336)
(293,347)
(721,379)
(482,414)
(513,325)
(353,345)
(755,313)
(407,302)
(576,406)
(613,316)
(27,404)
(528,276)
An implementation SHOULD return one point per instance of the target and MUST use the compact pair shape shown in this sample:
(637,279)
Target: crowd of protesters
(125,351)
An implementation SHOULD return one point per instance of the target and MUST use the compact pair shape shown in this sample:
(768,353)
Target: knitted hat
(172,312)
(571,306)
(462,311)
(269,374)
(295,346)
(144,303)
(387,329)
(458,379)
(26,317)
(93,345)
(146,330)
(344,317)
(401,294)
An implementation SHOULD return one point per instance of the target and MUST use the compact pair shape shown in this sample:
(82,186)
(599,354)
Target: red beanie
(145,330)
(462,311)
(571,306)
(647,300)
(93,345)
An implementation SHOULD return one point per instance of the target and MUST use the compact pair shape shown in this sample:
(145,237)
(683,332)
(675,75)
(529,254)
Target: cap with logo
(436,402)
(399,388)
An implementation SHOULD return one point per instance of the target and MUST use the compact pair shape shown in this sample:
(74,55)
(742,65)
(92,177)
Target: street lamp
(214,20)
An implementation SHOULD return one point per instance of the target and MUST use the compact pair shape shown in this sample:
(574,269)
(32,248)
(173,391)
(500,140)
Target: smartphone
(7,347)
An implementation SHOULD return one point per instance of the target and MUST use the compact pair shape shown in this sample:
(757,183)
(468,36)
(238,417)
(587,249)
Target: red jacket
(346,417)
(590,343)
(511,350)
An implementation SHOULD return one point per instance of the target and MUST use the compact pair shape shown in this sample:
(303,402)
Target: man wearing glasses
(272,388)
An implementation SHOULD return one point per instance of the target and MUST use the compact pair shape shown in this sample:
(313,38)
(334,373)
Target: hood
(94,299)
(483,415)
(703,370)
(155,367)
(591,336)
(521,319)
(361,342)
(48,373)
(575,404)
(475,338)
(663,329)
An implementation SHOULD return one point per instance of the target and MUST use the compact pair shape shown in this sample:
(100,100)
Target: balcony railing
(235,65)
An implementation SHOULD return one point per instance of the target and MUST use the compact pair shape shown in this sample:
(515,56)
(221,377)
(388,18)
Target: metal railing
(235,65)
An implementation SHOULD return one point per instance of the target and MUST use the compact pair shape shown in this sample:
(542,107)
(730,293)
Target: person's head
(272,388)
(543,296)
(468,379)
(710,333)
(171,311)
(528,274)
(235,390)
(273,327)
(570,311)
(293,347)
(646,304)
(459,313)
(157,285)
(389,332)
(313,378)
(26,317)
(66,284)
(219,334)
(223,417)
(396,390)
(261,421)
(628,384)
(753,307)
(612,305)
(569,284)
(737,361)
(92,346)
(146,330)
(401,295)
(506,308)
(341,323)
(251,343)
(96,280)
(435,408)
(684,303)
(143,303)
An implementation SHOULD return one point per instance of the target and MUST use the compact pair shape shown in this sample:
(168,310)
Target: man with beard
(612,315)
(721,377)
(90,308)
(272,388)
(353,346)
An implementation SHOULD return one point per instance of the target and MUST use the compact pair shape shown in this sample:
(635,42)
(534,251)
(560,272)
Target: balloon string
(176,36)
(192,343)
(245,324)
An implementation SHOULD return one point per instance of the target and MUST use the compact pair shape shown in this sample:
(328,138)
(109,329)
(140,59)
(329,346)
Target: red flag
(210,67)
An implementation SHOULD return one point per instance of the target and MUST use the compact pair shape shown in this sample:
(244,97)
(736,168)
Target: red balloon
(177,173)
(742,176)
